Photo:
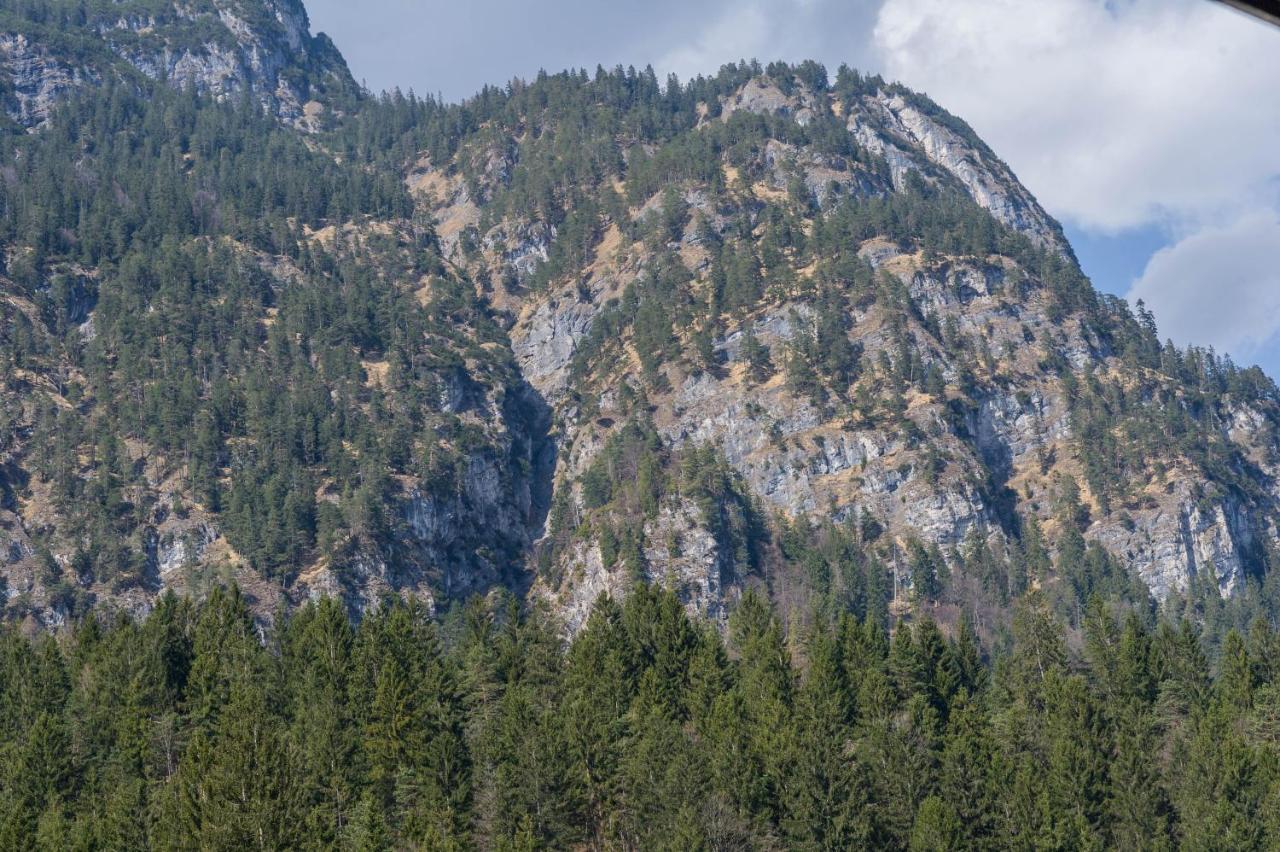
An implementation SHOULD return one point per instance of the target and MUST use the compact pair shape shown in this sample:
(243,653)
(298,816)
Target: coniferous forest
(190,730)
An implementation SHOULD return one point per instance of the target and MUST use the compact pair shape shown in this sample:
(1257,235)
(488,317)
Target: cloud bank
(1219,286)
(1114,114)
(1121,115)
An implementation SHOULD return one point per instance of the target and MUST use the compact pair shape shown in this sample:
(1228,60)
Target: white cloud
(737,33)
(1219,286)
(1115,114)
(830,31)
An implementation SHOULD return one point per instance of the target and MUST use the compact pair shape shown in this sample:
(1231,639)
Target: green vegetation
(203,310)
(178,229)
(186,730)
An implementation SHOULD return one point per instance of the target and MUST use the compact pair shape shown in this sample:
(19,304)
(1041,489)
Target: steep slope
(881,326)
(757,329)
(228,355)
(225,48)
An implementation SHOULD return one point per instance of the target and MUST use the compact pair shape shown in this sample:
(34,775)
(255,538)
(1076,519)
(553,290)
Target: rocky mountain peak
(914,135)
(908,130)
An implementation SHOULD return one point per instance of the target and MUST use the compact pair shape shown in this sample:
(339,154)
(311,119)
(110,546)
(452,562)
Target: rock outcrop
(896,127)
(228,49)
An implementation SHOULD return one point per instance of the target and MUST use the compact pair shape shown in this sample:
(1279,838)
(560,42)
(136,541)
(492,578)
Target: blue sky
(1149,128)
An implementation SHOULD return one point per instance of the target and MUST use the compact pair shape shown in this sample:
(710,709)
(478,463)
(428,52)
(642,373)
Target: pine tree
(1039,649)
(756,354)
(320,657)
(1219,803)
(254,781)
(747,727)
(1077,762)
(824,792)
(413,723)
(937,827)
(1138,809)
(534,788)
(657,774)
(966,780)
(1235,678)
(599,685)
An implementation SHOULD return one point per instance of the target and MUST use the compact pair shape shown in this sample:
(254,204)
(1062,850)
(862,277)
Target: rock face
(547,340)
(682,554)
(224,48)
(1171,546)
(894,127)
(37,80)
(449,544)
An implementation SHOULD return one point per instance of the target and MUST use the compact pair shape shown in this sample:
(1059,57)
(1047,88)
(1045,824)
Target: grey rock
(900,132)
(275,59)
(38,80)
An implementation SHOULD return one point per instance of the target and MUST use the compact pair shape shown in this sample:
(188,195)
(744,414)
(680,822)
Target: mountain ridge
(759,329)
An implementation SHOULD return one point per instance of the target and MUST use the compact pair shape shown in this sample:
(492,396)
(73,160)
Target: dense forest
(189,730)
(157,217)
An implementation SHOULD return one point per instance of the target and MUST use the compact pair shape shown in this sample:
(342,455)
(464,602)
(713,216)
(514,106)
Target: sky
(1149,128)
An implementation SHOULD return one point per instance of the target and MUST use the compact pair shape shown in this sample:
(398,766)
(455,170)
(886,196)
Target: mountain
(597,463)
(225,48)
(760,329)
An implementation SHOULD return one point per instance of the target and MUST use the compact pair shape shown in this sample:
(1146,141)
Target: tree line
(194,728)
